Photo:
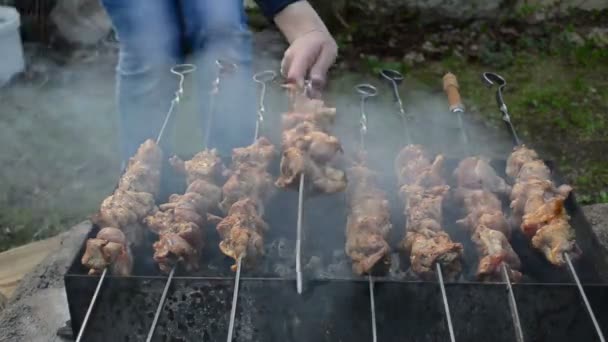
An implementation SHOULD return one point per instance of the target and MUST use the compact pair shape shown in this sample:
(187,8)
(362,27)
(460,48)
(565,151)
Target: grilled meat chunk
(143,170)
(520,155)
(556,238)
(476,173)
(108,249)
(206,165)
(494,249)
(413,167)
(126,209)
(171,249)
(250,177)
(428,248)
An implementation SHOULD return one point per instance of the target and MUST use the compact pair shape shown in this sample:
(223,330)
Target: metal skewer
(235,296)
(90,309)
(451,88)
(161,304)
(598,330)
(299,235)
(494,79)
(180,70)
(491,79)
(446,306)
(395,78)
(366,91)
(307,92)
(223,67)
(519,334)
(262,78)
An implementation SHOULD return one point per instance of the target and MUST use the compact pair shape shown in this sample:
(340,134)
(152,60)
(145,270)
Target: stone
(598,36)
(574,38)
(3,301)
(38,307)
(81,21)
(429,48)
(412,58)
(597,214)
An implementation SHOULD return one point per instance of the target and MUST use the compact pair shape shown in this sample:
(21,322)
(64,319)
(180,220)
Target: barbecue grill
(335,304)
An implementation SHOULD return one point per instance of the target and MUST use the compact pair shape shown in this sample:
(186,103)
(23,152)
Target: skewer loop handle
(366,90)
(451,88)
(392,75)
(265,76)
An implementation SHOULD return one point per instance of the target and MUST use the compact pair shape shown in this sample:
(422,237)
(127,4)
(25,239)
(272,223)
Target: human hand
(309,57)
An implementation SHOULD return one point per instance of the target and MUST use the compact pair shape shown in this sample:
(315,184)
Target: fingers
(324,61)
(298,65)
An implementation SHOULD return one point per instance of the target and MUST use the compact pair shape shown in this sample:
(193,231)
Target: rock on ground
(597,214)
(39,306)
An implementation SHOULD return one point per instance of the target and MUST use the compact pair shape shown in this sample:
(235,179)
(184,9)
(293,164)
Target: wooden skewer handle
(451,88)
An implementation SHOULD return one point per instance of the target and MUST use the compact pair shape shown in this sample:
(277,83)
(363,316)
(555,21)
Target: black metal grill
(335,304)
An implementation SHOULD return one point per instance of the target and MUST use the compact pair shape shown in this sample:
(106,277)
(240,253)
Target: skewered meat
(538,206)
(180,222)
(478,186)
(308,148)
(368,222)
(143,170)
(249,187)
(108,249)
(476,173)
(121,214)
(423,190)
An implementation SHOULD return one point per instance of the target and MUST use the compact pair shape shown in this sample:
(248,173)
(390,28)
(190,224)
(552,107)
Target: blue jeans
(154,35)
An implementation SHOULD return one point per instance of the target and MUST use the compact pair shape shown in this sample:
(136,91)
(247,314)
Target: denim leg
(149,33)
(217,29)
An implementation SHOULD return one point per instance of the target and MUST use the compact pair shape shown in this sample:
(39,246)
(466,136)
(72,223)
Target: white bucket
(11,49)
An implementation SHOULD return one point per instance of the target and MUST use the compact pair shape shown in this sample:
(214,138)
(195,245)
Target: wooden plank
(17,262)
